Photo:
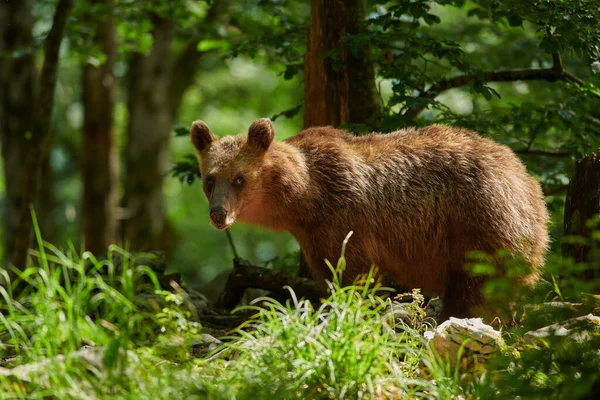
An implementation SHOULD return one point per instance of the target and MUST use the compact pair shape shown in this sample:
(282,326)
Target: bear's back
(416,184)
(436,160)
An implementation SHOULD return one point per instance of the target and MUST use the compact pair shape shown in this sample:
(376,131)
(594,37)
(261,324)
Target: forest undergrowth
(89,328)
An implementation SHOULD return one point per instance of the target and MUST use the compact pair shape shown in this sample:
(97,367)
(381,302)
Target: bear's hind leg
(463,295)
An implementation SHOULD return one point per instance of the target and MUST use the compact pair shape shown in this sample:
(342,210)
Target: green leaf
(289,113)
(181,131)
(211,44)
(486,91)
(483,269)
(112,353)
(431,19)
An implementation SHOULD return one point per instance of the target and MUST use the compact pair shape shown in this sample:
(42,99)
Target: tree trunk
(336,96)
(148,136)
(583,203)
(18,98)
(100,161)
(364,101)
(155,91)
(4,25)
(46,201)
(38,140)
(4,60)
(325,88)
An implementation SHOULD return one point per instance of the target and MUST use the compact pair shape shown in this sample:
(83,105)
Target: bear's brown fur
(417,200)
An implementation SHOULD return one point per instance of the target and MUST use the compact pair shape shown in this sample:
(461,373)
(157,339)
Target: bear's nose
(218,215)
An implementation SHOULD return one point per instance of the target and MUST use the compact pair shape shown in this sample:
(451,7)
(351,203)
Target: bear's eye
(209,182)
(239,181)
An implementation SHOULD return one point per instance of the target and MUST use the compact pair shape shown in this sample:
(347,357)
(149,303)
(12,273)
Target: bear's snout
(218,215)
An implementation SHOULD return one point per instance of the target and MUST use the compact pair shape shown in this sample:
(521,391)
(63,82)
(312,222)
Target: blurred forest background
(97,97)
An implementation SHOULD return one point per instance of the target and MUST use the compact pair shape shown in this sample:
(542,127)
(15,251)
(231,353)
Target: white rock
(476,338)
(577,329)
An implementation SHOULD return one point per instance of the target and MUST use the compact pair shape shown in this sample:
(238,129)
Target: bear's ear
(261,133)
(201,135)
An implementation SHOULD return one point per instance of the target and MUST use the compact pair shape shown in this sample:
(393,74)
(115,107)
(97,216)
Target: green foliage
(562,25)
(64,291)
(556,368)
(564,362)
(561,361)
(78,301)
(278,34)
(349,346)
(418,44)
(178,331)
(135,22)
(187,170)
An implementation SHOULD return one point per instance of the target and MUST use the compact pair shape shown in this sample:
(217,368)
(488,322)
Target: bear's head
(232,171)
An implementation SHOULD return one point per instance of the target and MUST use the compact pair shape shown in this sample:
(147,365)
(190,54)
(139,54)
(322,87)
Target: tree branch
(552,74)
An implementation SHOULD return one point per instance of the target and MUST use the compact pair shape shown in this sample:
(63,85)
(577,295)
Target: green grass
(75,301)
(350,346)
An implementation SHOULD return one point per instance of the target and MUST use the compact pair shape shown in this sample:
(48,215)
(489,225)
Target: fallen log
(246,275)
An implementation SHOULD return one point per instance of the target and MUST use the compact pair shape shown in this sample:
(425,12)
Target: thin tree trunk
(18,98)
(364,102)
(4,26)
(148,130)
(46,201)
(583,203)
(100,161)
(39,134)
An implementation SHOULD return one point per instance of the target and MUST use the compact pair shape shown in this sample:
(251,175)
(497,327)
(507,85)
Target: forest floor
(90,329)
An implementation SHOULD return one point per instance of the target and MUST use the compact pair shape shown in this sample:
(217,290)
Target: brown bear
(417,200)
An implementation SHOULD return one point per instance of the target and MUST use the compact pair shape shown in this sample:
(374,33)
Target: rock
(578,329)
(544,314)
(477,339)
